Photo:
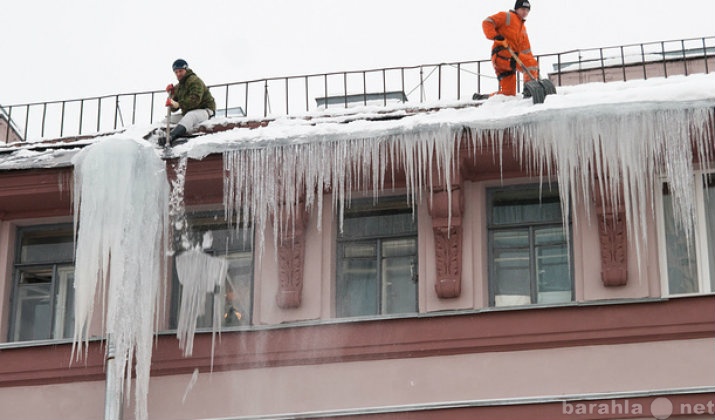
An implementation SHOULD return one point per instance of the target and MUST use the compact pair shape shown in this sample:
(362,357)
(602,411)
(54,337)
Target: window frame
(700,240)
(59,288)
(368,207)
(491,227)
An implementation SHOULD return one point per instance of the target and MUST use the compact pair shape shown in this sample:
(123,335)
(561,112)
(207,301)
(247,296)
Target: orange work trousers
(505,67)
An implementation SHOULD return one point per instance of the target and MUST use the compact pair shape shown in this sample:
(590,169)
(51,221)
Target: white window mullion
(701,237)
(662,243)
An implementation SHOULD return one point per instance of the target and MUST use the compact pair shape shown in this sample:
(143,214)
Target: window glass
(377,259)
(710,224)
(518,206)
(528,247)
(43,294)
(512,279)
(552,270)
(680,252)
(33,305)
(357,289)
(64,298)
(238,290)
(398,272)
(42,246)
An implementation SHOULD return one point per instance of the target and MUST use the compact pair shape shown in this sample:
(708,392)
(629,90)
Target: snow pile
(121,220)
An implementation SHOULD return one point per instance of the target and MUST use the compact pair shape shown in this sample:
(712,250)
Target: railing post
(603,66)
(422,85)
(307,95)
(665,63)
(116,110)
(645,77)
(62,119)
(287,97)
(225,103)
(402,82)
(345,89)
(81,116)
(134,108)
(265,98)
(44,114)
(246,102)
(623,63)
(151,109)
(459,81)
(705,56)
(685,60)
(7,129)
(479,76)
(27,121)
(99,112)
(364,88)
(384,87)
(439,81)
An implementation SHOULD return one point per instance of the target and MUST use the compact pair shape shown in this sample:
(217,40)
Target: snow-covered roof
(499,112)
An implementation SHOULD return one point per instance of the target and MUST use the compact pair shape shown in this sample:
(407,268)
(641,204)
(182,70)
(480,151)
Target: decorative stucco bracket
(613,239)
(291,256)
(447,228)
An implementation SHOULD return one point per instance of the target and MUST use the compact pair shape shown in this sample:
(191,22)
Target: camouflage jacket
(191,93)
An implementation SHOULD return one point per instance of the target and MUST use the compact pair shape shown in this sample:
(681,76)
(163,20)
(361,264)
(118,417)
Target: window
(377,259)
(690,262)
(529,258)
(236,294)
(43,295)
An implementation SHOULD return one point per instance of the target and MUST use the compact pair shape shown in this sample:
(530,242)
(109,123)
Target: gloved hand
(170,88)
(172,103)
(500,40)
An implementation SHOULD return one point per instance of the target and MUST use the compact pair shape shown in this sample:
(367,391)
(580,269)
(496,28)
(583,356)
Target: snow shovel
(536,89)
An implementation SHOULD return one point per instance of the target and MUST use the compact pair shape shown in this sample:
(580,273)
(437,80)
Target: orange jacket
(512,28)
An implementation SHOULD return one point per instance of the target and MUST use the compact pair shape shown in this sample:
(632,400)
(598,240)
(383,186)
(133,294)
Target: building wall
(624,340)
(8,136)
(633,71)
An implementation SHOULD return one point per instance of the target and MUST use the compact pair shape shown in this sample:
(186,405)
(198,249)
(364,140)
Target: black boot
(176,132)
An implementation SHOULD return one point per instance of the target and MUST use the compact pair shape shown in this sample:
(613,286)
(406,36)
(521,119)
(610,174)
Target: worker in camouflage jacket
(508,30)
(192,97)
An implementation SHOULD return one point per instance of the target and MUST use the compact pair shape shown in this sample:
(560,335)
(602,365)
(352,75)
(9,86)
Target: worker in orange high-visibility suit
(507,30)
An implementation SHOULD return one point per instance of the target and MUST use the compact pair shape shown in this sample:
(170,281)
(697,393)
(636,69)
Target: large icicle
(200,275)
(121,220)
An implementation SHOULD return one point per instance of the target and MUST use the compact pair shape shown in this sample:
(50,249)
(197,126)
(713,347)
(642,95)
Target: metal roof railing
(296,95)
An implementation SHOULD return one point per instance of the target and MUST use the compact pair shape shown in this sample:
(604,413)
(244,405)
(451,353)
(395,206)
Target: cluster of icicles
(622,152)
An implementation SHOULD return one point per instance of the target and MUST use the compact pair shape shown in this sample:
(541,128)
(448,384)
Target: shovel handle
(168,121)
(521,63)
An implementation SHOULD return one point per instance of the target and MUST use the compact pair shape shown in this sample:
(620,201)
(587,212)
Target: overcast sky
(70,49)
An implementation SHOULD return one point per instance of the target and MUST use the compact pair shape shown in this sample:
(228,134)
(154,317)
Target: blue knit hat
(180,64)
